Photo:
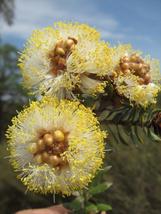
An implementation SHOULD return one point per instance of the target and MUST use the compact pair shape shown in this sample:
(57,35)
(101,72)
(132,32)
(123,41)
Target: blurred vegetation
(136,175)
(7,10)
(12,95)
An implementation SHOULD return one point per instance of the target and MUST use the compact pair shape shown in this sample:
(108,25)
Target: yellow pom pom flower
(135,77)
(56,146)
(142,95)
(65,59)
(127,60)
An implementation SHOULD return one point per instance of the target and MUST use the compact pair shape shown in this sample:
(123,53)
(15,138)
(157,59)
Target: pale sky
(120,21)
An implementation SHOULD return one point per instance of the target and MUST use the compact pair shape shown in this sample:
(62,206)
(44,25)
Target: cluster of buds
(48,148)
(136,65)
(61,52)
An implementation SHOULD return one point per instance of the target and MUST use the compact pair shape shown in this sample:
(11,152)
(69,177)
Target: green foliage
(92,208)
(128,124)
(7,10)
(12,96)
(103,207)
(101,187)
(136,177)
(87,201)
(125,123)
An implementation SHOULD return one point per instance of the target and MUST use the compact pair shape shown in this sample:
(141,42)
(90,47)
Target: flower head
(134,75)
(142,95)
(56,146)
(65,59)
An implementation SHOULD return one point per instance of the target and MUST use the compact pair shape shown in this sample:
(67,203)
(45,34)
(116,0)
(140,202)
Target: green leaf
(154,136)
(74,205)
(130,124)
(104,115)
(122,134)
(99,188)
(103,207)
(113,135)
(91,208)
(97,105)
(106,169)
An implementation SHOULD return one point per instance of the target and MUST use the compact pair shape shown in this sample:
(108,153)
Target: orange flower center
(48,148)
(59,55)
(135,64)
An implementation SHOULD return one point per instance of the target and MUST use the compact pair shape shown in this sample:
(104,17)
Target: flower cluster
(56,144)
(70,59)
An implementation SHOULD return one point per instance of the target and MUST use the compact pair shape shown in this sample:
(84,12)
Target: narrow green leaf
(113,133)
(99,188)
(136,115)
(153,135)
(104,207)
(136,129)
(122,134)
(104,115)
(74,205)
(127,115)
(133,135)
(91,208)
(104,170)
(97,105)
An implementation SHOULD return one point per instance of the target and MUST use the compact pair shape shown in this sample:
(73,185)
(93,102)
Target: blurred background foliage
(7,10)
(136,168)
(12,95)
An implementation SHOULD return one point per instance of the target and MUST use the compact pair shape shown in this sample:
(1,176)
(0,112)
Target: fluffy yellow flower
(56,147)
(65,59)
(135,77)
(142,95)
(125,53)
